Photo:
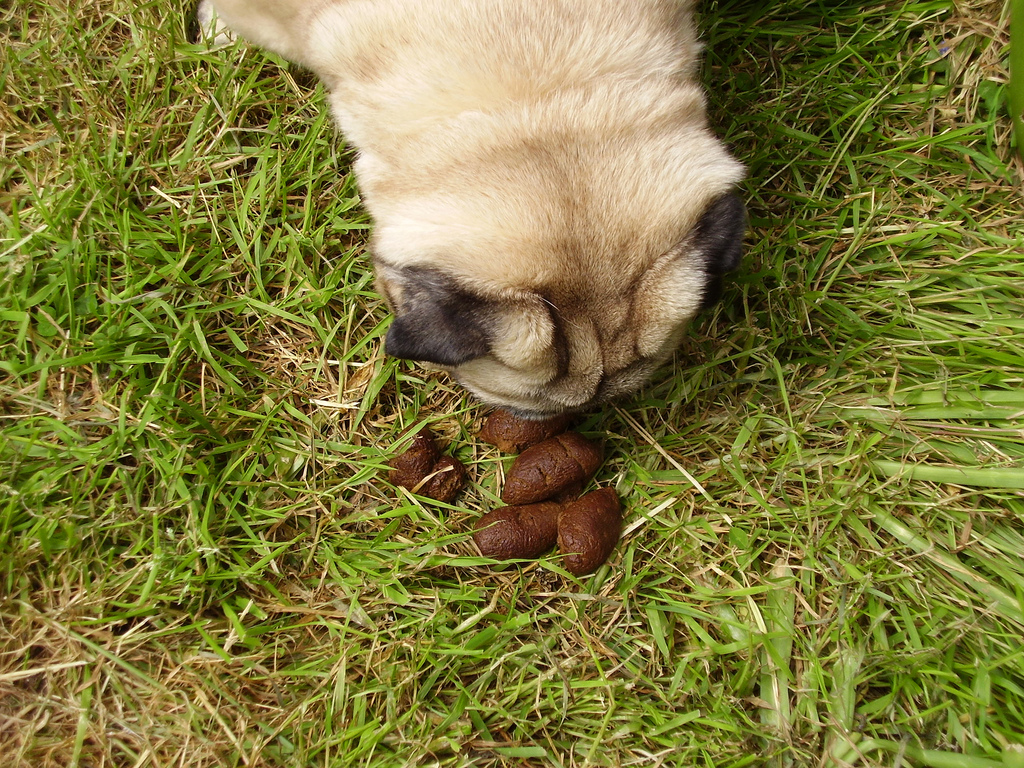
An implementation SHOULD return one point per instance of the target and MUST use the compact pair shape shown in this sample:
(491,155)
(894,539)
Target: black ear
(718,237)
(437,321)
(719,234)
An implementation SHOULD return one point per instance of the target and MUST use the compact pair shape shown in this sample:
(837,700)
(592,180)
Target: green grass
(203,563)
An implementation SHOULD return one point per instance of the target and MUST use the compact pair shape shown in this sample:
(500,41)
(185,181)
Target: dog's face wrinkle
(618,349)
(559,341)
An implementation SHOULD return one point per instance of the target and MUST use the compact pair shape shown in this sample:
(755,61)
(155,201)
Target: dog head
(554,275)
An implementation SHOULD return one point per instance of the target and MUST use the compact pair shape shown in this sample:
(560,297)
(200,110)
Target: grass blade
(976,477)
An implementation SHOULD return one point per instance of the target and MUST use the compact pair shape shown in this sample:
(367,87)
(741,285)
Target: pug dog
(550,205)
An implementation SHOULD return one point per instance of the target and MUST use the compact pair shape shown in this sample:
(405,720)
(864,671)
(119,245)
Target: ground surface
(202,562)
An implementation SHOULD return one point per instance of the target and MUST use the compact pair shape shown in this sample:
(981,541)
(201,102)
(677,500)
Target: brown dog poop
(423,470)
(512,434)
(588,530)
(550,467)
(445,480)
(518,532)
(410,468)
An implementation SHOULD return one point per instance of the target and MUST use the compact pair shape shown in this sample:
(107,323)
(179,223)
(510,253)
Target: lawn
(202,562)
